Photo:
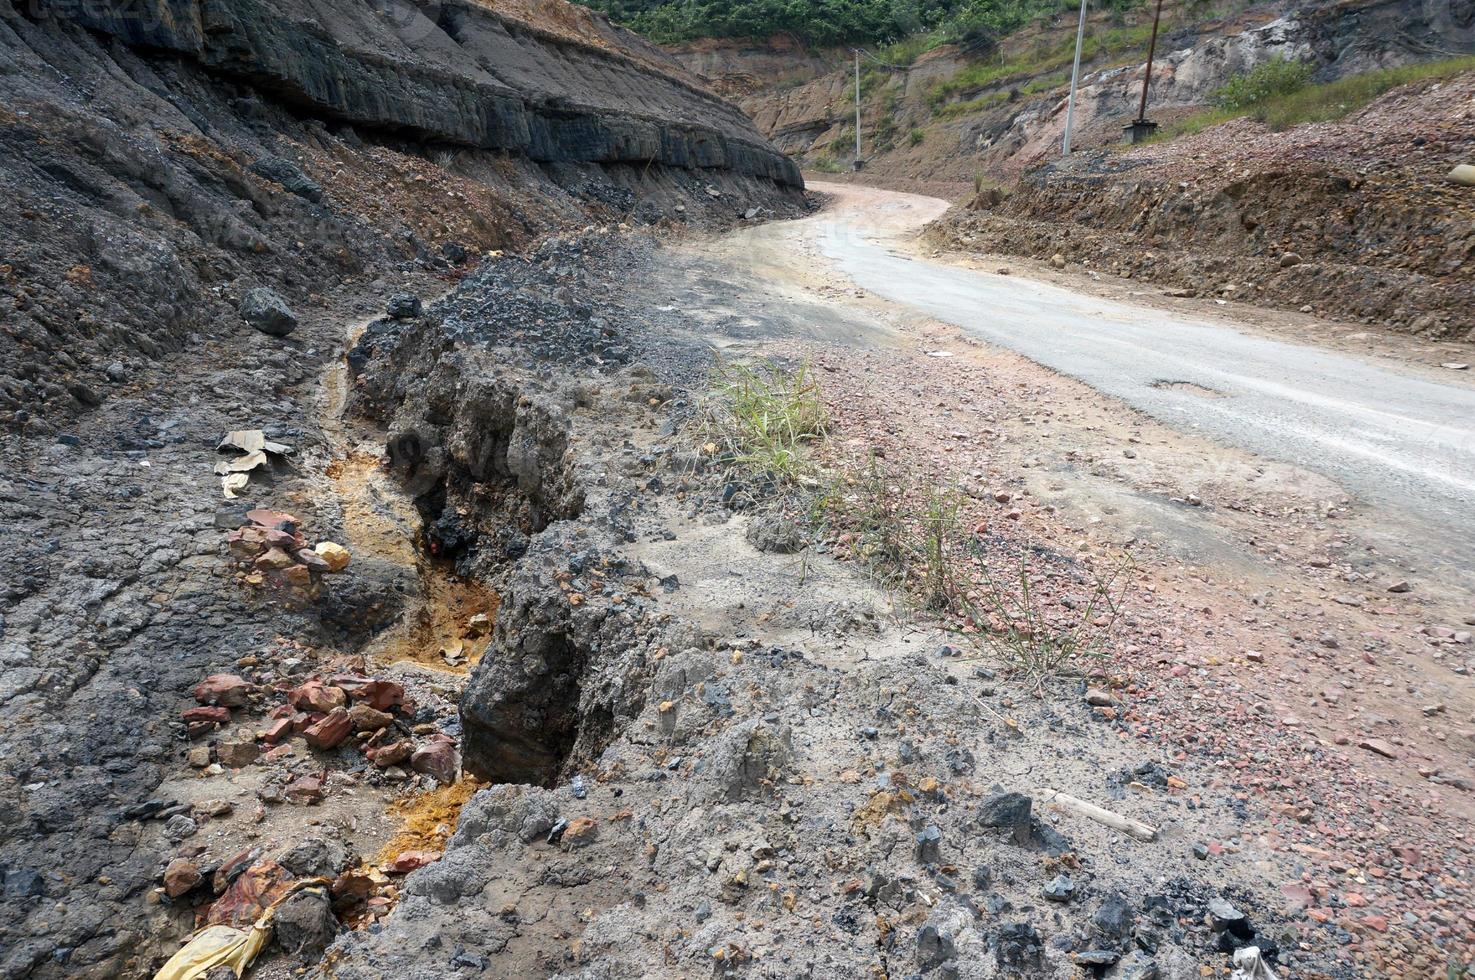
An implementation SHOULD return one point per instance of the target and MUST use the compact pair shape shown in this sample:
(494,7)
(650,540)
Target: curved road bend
(1389,435)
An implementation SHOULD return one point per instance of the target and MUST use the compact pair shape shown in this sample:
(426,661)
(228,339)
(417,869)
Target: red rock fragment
(350,682)
(392,754)
(367,719)
(581,832)
(287,541)
(249,895)
(379,695)
(437,758)
(274,560)
(407,861)
(1297,895)
(330,731)
(312,560)
(317,696)
(277,731)
(181,877)
(351,888)
(1379,746)
(305,790)
(237,754)
(226,690)
(246,543)
(212,714)
(232,866)
(272,518)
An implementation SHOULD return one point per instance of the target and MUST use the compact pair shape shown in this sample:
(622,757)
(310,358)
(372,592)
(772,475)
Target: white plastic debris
(253,445)
(1249,964)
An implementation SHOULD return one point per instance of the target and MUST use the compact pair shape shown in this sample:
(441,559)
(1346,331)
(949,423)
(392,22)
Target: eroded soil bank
(700,735)
(708,749)
(204,203)
(713,752)
(1355,219)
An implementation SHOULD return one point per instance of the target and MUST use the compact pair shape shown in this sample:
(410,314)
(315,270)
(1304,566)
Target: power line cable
(883,64)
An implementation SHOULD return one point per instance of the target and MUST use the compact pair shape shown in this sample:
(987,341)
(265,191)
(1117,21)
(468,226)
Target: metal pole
(857,107)
(1147,75)
(1075,74)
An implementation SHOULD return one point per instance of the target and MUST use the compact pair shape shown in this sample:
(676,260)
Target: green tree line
(828,22)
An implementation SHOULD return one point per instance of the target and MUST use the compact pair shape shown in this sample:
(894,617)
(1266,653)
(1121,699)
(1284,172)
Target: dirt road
(1398,437)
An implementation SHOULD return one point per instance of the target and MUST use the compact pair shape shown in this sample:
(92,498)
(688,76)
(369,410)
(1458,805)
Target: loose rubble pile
(271,546)
(360,731)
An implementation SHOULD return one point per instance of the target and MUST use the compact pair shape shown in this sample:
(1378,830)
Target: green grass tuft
(1320,103)
(975,78)
(760,417)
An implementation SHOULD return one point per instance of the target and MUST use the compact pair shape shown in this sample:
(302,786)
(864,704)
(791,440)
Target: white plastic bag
(1249,965)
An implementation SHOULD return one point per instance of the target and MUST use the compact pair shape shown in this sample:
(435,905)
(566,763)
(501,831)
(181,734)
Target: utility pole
(857,106)
(1075,74)
(1139,129)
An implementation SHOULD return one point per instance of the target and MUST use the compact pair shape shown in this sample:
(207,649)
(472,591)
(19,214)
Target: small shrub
(825,164)
(1044,639)
(907,534)
(916,137)
(1319,103)
(885,132)
(1267,81)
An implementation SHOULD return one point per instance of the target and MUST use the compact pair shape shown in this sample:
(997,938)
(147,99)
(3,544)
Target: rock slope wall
(469,76)
(161,159)
(1013,118)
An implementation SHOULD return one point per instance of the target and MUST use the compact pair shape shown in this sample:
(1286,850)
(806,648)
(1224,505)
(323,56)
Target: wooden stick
(1132,828)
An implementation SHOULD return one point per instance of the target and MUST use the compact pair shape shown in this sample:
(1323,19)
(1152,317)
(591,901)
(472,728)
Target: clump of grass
(976,104)
(916,137)
(1045,614)
(760,417)
(1049,56)
(868,504)
(1042,638)
(909,49)
(1333,100)
(906,534)
(1321,103)
(939,540)
(825,164)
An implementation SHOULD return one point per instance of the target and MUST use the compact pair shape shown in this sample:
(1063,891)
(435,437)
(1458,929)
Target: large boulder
(304,924)
(268,312)
(286,173)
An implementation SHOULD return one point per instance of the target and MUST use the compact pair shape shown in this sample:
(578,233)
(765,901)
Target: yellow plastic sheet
(216,946)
